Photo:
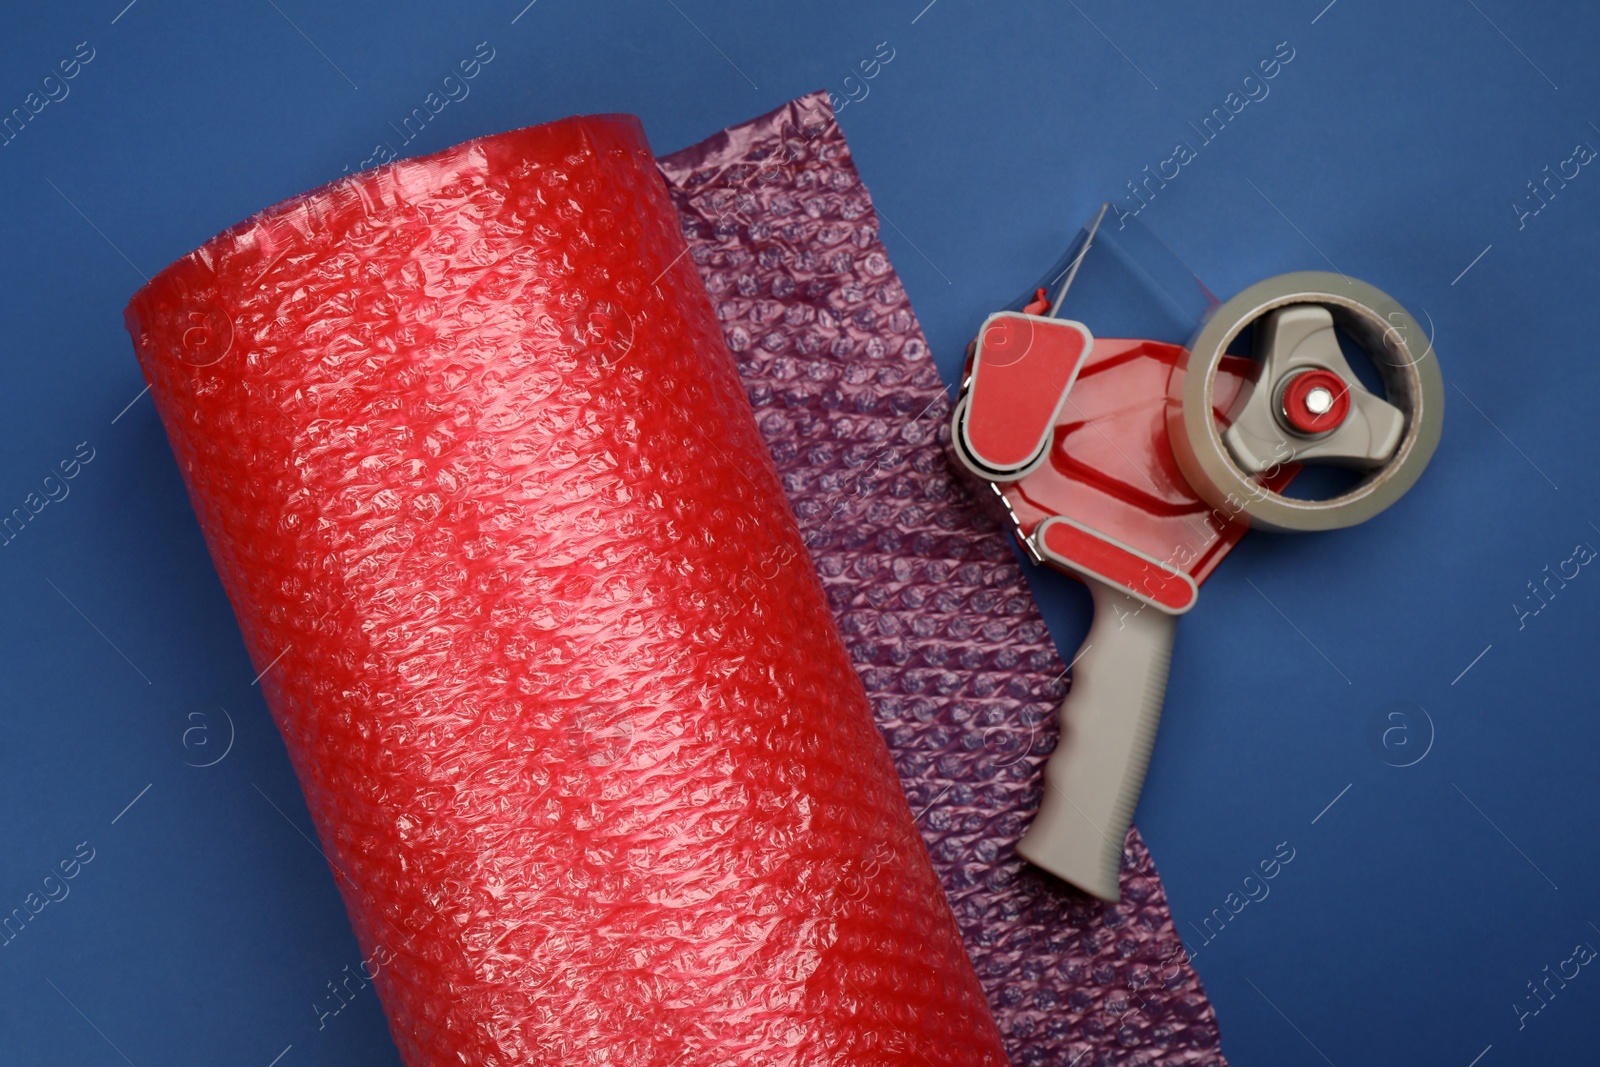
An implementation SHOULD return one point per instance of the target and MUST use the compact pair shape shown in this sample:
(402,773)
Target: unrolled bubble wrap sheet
(932,606)
(587,755)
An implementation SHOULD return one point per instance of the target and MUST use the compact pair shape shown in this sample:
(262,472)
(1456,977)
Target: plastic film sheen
(584,749)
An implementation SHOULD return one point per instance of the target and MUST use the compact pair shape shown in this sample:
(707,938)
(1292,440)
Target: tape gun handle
(1108,727)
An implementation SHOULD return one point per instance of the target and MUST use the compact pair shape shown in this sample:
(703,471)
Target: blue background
(1392,147)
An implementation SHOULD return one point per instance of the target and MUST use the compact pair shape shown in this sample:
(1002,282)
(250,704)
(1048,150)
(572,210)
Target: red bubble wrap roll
(586,753)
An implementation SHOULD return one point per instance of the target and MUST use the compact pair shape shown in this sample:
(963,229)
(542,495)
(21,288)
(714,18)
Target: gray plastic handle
(1108,727)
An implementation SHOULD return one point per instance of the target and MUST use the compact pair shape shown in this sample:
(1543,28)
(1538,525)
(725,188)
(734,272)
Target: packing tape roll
(586,754)
(1401,352)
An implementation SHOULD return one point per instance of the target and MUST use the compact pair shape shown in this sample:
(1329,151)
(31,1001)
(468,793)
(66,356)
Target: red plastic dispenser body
(1111,469)
(582,744)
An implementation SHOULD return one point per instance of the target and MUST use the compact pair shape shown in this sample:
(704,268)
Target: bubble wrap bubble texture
(935,611)
(587,755)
